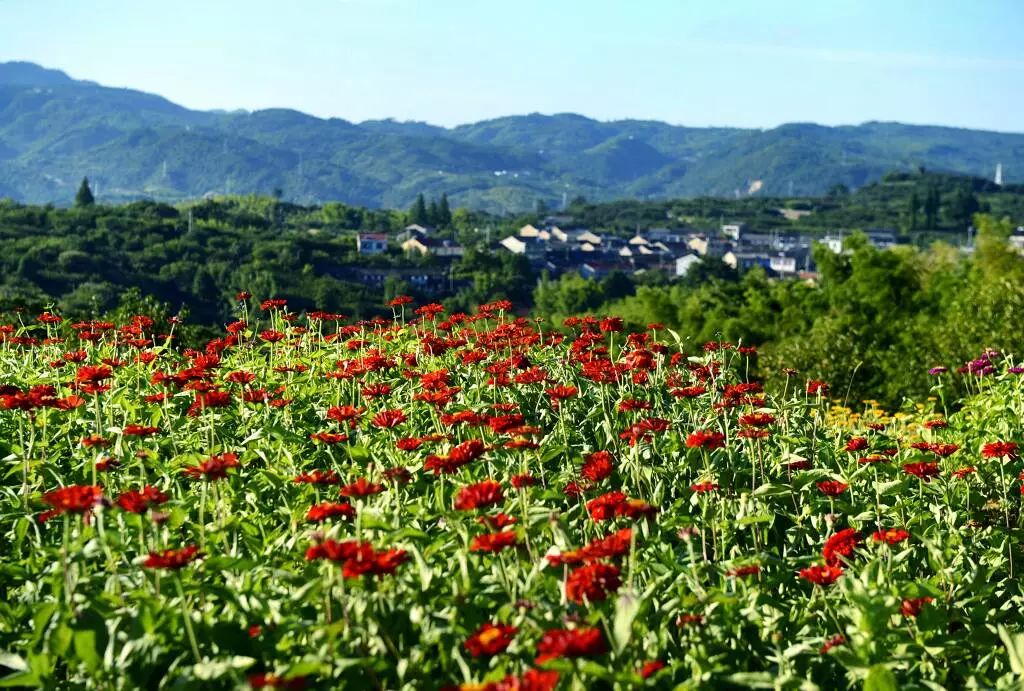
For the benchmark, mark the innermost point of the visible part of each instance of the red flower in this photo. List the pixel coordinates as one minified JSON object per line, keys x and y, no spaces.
{"x":690,"y":619}
{"x":832,"y":488}
{"x":836,"y":640}
{"x":501,"y":424}
{"x":362,"y":488}
{"x":821,"y":575}
{"x":611,"y":324}
{"x":321,"y":512}
{"x":523,"y":480}
{"x":598,"y":466}
{"x":840,"y":546}
{"x":490,"y":639}
{"x":328,"y":437}
{"x":616,"y":503}
{"x":890,"y":536}
{"x":358,"y":558}
{"x":615,"y":545}
{"x":856,"y":444}
{"x":922,"y":469}
{"x":209,"y":399}
{"x":214,"y":468}
{"x":961,"y":473}
{"x":345,"y":413}
{"x":604,"y":507}
{"x":592,"y":583}
{"x":409,"y":444}
{"x":135,"y":501}
{"x":744,"y":571}
{"x":479,"y":495}
{"x":172,"y":558}
{"x":493,"y":542}
{"x":703,"y":487}
{"x":397,"y":475}
{"x":911,"y":607}
{"x":497,"y":521}
{"x":628,"y":404}
{"x":689,"y":392}
{"x":703,"y":439}
{"x":93,"y":374}
{"x":649,"y":668}
{"x":999,"y":449}
{"x":561,"y":392}
{"x":757,"y":420}
{"x":943,"y":450}
{"x":81,"y":499}
{"x":272,"y":681}
{"x":139,"y":431}
{"x":459,"y":456}
{"x":95,"y":440}
{"x":586,"y":642}
{"x":815,"y":387}
{"x":318,"y":477}
{"x":387,"y":419}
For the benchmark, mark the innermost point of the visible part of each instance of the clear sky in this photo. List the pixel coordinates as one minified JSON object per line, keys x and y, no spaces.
{"x":754,"y":63}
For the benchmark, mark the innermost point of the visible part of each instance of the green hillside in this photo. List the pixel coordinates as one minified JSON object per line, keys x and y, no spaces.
{"x":54,"y":130}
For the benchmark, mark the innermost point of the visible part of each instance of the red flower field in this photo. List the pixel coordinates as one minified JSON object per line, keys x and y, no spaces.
{"x":486,"y":502}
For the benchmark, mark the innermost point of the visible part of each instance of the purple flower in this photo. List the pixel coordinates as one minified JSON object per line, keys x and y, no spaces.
{"x":1016,"y":370}
{"x":938,"y":370}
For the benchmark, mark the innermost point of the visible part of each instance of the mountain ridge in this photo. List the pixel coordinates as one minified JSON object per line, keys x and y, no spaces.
{"x":55,"y":129}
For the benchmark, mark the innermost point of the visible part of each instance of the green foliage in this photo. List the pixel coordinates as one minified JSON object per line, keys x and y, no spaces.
{"x":250,"y":519}
{"x":84,"y":195}
{"x":872,"y":324}
{"x":143,"y":146}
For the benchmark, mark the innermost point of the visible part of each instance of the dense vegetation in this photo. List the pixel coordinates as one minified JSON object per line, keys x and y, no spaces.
{"x":922,"y":206}
{"x":874,"y":320}
{"x":54,"y":130}
{"x":477,"y":502}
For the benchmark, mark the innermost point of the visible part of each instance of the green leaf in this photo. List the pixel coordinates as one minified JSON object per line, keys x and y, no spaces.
{"x":1014,"y":643}
{"x":880,"y":678}
{"x":19,"y":680}
{"x":212,"y":669}
{"x":13,"y":661}
{"x":85,"y":649}
{"x":627,"y":606}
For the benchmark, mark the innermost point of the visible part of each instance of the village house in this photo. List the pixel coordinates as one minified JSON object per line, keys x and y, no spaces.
{"x":439,"y":248}
{"x":371,"y":243}
{"x":685,"y":263}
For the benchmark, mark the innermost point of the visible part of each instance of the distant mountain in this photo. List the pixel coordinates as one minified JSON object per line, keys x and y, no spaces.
{"x":54,"y":130}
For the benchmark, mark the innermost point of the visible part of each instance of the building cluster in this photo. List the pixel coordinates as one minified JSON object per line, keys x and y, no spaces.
{"x":556,"y":246}
{"x":557,"y":250}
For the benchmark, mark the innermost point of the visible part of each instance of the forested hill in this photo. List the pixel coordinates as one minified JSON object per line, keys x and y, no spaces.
{"x":54,"y":130}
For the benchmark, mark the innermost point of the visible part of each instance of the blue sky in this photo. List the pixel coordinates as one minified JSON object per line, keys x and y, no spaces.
{"x":693,"y":62}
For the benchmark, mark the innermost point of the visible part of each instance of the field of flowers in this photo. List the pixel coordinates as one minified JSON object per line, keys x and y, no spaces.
{"x":483,"y":502}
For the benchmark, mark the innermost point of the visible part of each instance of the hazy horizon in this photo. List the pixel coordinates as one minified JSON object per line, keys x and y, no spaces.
{"x":456,"y":61}
{"x":635,"y":118}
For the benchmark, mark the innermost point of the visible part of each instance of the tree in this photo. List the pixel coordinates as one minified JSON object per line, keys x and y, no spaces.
{"x":418,"y":212}
{"x":913,"y":205}
{"x":444,"y":212}
{"x":432,"y":213}
{"x":84,"y":196}
{"x":963,"y":206}
{"x":931,"y":208}
{"x":838,"y":190}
